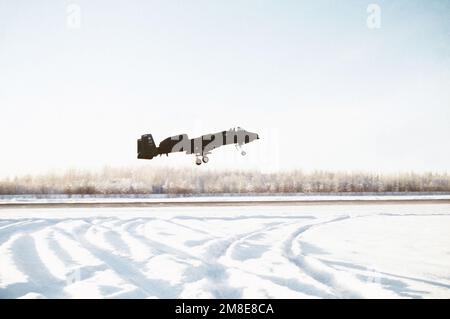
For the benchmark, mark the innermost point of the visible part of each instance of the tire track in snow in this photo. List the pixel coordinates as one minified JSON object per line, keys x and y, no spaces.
{"x":40,"y":280}
{"x":341,"y":282}
{"x":124,"y":268}
{"x":315,"y":269}
{"x":290,"y":283}
{"x":25,"y":227}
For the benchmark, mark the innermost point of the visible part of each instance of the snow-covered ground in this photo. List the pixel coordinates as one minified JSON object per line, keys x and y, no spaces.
{"x":320,"y":251}
{"x":164,"y":198}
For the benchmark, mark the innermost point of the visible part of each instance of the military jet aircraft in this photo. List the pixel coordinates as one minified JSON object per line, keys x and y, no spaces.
{"x":200,"y":146}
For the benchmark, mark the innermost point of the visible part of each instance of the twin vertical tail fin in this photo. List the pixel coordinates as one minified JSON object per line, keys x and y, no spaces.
{"x":146,"y":147}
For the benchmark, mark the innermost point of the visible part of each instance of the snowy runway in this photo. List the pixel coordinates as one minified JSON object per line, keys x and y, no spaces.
{"x":320,"y":251}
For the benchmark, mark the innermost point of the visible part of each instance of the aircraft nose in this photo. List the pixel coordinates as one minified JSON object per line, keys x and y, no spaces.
{"x":257,"y":136}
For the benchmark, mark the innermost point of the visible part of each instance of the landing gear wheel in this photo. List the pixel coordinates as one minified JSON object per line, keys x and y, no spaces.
{"x":243,"y":153}
{"x":205,"y":159}
{"x":198,"y":161}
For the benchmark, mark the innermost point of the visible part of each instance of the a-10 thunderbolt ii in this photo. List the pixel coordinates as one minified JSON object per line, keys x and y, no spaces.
{"x":199,"y":146}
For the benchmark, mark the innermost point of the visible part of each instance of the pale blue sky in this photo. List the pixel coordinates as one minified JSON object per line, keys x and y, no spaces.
{"x":323,"y":90}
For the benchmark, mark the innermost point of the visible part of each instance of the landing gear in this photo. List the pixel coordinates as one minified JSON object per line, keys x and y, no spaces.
{"x":239,"y":148}
{"x":203,"y":158}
